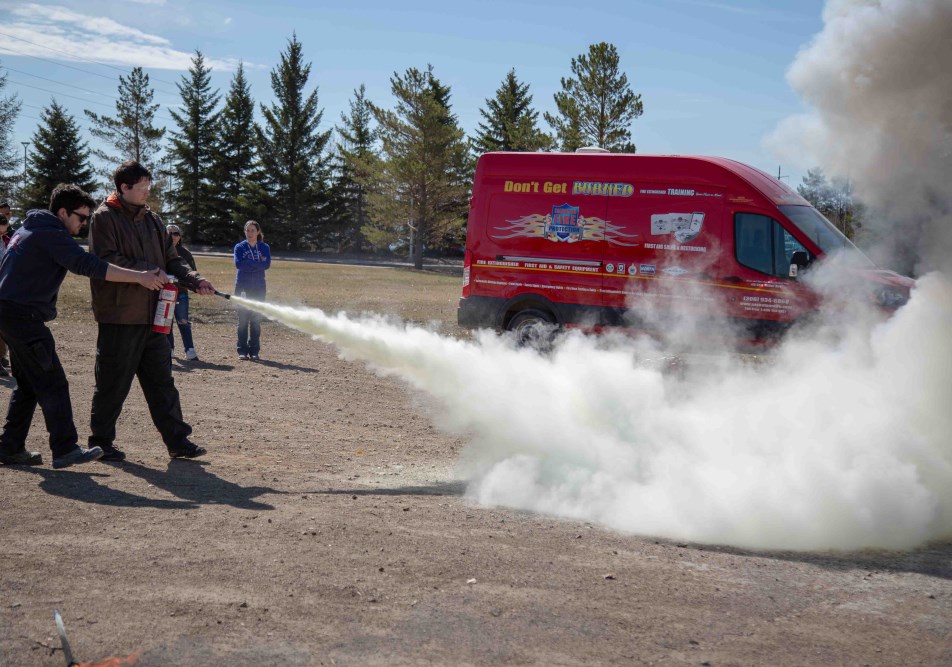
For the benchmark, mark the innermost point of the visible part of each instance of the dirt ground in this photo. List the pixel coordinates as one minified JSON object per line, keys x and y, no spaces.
{"x":326,"y":526}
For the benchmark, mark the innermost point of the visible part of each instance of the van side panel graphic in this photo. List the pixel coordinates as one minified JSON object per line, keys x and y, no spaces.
{"x":565,"y":224}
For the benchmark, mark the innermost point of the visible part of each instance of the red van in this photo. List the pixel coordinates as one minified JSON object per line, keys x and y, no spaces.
{"x":597,"y":239}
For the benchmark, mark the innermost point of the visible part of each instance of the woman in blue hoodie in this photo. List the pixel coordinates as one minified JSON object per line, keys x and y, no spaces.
{"x":252,"y":259}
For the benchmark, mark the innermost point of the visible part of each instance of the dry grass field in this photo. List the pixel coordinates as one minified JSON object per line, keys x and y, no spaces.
{"x":329,"y":525}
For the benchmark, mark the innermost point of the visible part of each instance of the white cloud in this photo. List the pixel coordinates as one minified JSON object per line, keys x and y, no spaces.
{"x":228,"y":21}
{"x":99,"y":25}
{"x":59,"y":32}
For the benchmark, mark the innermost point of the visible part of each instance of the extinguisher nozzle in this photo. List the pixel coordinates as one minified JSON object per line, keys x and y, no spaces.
{"x":227,"y":296}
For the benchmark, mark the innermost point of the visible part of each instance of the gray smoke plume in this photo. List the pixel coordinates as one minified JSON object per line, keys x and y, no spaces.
{"x":877,"y":78}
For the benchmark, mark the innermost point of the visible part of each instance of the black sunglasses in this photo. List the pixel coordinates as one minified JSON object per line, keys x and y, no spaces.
{"x":82,"y":218}
{"x":175,"y":233}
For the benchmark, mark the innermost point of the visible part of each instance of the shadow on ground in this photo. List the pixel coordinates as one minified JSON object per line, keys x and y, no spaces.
{"x":192,"y":482}
{"x":82,"y":485}
{"x":933,"y":560}
{"x":188,"y":481}
{"x":282,"y":366}
{"x":198,"y":364}
{"x":454,"y":488}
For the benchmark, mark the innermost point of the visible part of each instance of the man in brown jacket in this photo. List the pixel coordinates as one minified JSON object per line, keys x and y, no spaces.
{"x":123,"y":231}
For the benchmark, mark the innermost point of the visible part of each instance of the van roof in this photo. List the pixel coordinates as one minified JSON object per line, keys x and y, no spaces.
{"x":526,"y":165}
{"x":775,"y":189}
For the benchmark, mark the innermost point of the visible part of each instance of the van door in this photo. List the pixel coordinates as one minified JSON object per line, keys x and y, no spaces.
{"x":755,"y":277}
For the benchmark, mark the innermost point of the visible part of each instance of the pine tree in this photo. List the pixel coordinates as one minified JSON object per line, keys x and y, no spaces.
{"x":421,"y":179}
{"x":291,"y":152}
{"x":59,"y":156}
{"x":596,"y":107}
{"x":193,"y":147}
{"x":131,"y":132}
{"x":510,"y":120}
{"x":9,"y":175}
{"x":355,"y":154}
{"x":834,"y":199}
{"x":235,"y":195}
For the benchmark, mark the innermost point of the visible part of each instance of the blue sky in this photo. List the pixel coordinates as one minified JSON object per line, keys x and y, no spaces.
{"x":711,"y":72}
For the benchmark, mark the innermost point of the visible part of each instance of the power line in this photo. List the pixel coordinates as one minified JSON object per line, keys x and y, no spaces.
{"x":61,"y":83}
{"x":54,"y":62}
{"x":168,"y":119}
{"x":58,"y":83}
{"x":53,"y":92}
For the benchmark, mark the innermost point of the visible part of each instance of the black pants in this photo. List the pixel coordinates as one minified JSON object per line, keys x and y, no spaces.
{"x":40,"y":380}
{"x":124,"y":351}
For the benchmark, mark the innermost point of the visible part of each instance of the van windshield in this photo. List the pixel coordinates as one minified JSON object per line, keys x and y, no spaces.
{"x":821,"y":231}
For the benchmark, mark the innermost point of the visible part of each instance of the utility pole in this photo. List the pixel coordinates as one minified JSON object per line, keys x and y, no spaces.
{"x":168,"y":187}
{"x":23,"y":179}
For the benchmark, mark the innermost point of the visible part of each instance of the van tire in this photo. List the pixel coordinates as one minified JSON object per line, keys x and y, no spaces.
{"x":533,"y":328}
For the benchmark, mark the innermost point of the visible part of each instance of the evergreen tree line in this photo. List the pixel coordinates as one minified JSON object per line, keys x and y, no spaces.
{"x":393,"y":176}
{"x":834,"y":199}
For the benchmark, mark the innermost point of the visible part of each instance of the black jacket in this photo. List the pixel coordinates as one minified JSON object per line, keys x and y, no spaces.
{"x":35,"y":264}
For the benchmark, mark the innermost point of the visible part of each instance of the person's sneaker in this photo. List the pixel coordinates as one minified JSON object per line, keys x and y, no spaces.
{"x":254,"y":357}
{"x":187,"y":450}
{"x":111,"y":453}
{"x":21,"y":458}
{"x":243,"y":357}
{"x":77,"y":456}
{"x":191,"y":354}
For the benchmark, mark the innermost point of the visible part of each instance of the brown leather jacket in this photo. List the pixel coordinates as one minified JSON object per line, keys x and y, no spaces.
{"x":133,"y":238}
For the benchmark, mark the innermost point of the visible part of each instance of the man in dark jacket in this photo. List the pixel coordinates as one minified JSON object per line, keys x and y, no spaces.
{"x":123,"y":231}
{"x":31,"y":273}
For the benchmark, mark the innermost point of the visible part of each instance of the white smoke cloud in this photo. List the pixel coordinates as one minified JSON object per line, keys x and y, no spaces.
{"x":877,"y":80}
{"x":843,"y":445}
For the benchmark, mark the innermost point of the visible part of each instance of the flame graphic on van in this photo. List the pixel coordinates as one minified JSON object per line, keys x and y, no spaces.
{"x":537,"y":225}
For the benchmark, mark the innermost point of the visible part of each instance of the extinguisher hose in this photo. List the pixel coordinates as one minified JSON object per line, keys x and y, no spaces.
{"x":192,"y":288}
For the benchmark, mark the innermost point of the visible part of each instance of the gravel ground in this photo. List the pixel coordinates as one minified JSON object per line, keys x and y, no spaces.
{"x":327,"y":525}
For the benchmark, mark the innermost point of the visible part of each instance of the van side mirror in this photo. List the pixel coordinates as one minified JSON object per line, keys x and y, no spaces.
{"x":798,"y":260}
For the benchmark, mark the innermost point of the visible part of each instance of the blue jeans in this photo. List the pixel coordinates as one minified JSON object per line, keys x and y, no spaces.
{"x":184,"y":325}
{"x":249,"y":326}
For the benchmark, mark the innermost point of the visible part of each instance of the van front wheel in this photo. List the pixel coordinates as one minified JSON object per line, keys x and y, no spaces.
{"x":533,"y":328}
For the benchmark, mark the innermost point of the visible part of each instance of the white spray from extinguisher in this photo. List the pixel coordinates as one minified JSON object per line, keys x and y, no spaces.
{"x":165,"y":309}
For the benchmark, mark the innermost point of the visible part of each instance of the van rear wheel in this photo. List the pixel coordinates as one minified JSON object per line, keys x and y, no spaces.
{"x":533,"y":328}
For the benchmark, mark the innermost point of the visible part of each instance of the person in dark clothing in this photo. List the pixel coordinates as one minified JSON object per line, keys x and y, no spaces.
{"x":31,"y":272}
{"x":124,"y":231}
{"x":181,"y":304}
{"x":252,"y":259}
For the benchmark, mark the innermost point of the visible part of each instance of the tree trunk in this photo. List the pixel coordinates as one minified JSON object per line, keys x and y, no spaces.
{"x":416,"y":247}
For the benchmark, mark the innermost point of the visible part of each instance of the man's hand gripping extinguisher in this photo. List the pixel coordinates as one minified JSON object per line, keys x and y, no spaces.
{"x":165,"y":310}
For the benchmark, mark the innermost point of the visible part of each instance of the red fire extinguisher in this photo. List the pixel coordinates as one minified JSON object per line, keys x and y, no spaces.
{"x":165,"y":310}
